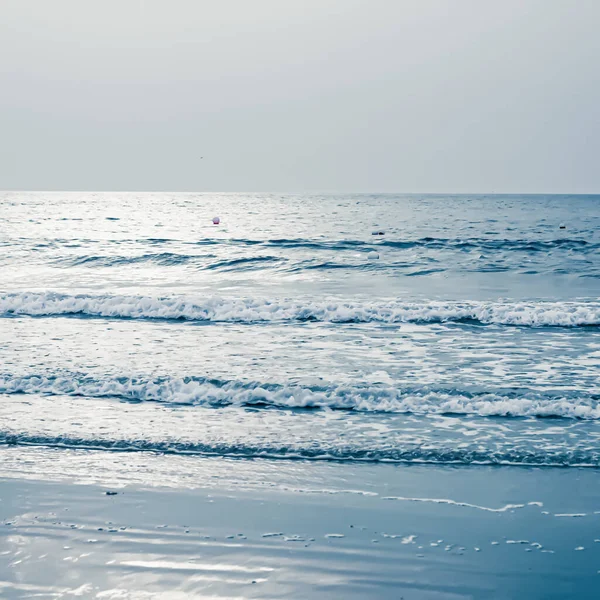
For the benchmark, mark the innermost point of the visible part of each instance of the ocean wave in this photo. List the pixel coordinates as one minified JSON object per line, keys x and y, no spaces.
{"x":321,"y":452}
{"x":247,"y":310}
{"x":168,"y":259}
{"x":367,"y":398}
{"x":490,"y":244}
{"x":440,"y":243}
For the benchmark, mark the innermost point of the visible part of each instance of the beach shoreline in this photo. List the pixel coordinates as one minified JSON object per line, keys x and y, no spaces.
{"x":254,"y":529}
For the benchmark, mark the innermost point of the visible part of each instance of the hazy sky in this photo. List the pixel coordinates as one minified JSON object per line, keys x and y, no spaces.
{"x":282,"y":95}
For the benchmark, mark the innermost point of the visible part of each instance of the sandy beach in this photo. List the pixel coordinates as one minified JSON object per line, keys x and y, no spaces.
{"x":156,"y":526}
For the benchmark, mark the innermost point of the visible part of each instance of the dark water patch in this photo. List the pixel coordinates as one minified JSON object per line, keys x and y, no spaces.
{"x":244,"y":264}
{"x":579,"y":245}
{"x":162,"y":259}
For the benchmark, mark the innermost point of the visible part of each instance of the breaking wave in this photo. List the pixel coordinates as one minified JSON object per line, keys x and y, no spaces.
{"x":368,"y":398}
{"x":246,"y":310}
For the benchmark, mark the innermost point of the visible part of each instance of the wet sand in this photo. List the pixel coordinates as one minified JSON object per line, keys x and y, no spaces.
{"x":219,"y":528}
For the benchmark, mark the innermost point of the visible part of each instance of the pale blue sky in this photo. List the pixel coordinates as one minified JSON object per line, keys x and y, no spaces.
{"x":281,"y":95}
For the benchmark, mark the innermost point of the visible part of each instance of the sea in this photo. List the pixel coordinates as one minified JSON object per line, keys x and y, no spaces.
{"x":299,"y":395}
{"x":395,"y":328}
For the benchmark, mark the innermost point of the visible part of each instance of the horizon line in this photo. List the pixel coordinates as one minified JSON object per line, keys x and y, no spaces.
{"x":358,"y":192}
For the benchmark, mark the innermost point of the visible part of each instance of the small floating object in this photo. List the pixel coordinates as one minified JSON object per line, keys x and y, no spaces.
{"x":378,"y":232}
{"x":562,"y":226}
{"x":373,"y":255}
{"x":216,"y":220}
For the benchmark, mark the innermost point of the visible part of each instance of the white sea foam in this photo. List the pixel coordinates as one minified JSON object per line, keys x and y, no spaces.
{"x":506,"y":508}
{"x":247,"y":310}
{"x":372,"y":398}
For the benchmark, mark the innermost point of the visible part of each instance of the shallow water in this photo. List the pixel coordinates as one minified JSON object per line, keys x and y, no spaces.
{"x":131,"y":321}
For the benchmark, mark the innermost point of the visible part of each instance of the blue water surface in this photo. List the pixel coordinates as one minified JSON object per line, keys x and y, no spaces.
{"x":356,"y":327}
